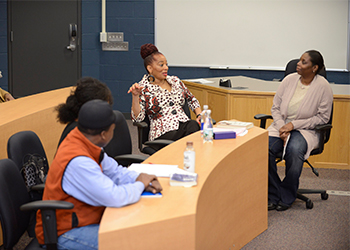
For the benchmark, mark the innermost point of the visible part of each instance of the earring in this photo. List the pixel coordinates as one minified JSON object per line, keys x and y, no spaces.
{"x":151,"y":77}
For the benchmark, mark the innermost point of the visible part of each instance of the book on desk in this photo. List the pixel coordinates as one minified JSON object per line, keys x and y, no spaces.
{"x":234,"y":124}
{"x":184,"y":180}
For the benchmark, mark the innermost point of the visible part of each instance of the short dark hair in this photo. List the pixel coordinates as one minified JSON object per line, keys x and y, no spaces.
{"x":316,"y":59}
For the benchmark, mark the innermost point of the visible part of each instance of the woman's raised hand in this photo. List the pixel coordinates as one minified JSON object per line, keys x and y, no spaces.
{"x":135,"y":89}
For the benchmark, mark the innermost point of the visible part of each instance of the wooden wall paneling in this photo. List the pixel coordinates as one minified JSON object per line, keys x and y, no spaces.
{"x":218,"y":104}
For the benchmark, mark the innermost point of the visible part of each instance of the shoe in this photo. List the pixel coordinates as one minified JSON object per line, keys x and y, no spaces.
{"x":282,"y":207}
{"x":271,"y":206}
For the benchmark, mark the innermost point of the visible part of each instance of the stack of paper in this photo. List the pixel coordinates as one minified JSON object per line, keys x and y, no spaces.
{"x":234,"y":124}
{"x":159,"y":170}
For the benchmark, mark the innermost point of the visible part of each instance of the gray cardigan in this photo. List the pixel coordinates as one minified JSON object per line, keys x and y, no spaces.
{"x":315,"y":108}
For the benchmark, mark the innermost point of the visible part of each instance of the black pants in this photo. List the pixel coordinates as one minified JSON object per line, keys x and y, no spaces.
{"x":185,"y":128}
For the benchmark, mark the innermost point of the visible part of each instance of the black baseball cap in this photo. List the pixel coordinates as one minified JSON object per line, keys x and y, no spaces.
{"x":96,"y":114}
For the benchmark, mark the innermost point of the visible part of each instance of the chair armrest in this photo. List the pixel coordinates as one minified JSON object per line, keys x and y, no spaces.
{"x":48,"y":215}
{"x":48,"y":204}
{"x":38,"y":187}
{"x":130,"y":158}
{"x":262,"y":118}
{"x":153,"y":146}
{"x":323,"y":127}
{"x":160,"y":142}
{"x":140,"y":127}
{"x":140,"y":124}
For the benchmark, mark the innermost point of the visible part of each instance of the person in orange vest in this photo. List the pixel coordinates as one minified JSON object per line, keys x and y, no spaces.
{"x":83,"y":174}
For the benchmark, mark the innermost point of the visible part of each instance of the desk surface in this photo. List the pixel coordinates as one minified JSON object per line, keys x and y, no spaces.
{"x":253,"y":84}
{"x":36,"y":113}
{"x":227,"y":208}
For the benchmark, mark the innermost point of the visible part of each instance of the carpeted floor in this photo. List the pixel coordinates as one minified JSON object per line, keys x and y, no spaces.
{"x":326,"y":226}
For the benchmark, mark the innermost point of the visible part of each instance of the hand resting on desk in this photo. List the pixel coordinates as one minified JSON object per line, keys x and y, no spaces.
{"x":151,"y":183}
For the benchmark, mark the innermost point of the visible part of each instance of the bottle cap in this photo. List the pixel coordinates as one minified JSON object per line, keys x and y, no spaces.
{"x":189,"y":143}
{"x":205,"y":106}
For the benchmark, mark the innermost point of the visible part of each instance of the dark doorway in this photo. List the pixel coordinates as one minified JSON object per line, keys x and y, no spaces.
{"x":39,"y":33}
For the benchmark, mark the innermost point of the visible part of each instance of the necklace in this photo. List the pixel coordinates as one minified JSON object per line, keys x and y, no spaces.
{"x":303,"y":86}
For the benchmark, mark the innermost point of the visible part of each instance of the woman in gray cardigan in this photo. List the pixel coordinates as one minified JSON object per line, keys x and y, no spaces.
{"x":302,"y":101}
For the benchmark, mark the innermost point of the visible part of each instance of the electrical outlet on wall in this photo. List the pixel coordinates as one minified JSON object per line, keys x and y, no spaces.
{"x":115,"y":36}
{"x":114,"y":41}
{"x":115,"y":46}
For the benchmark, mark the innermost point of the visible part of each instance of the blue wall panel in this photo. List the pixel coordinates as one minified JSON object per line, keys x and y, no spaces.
{"x":119,"y":70}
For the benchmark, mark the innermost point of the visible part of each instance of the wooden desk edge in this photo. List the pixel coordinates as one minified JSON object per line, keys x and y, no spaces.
{"x":179,"y":230}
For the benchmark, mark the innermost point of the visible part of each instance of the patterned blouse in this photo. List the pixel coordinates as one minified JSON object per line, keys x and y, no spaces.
{"x":164,"y":108}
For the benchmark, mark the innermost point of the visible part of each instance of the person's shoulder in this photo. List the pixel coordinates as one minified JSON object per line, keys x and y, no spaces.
{"x":292,"y":77}
{"x":321,"y":80}
{"x":144,"y":81}
{"x":290,"y":80}
{"x":323,"y":83}
{"x":173,"y":79}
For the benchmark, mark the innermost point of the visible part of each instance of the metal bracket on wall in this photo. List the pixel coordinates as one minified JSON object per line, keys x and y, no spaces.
{"x":115,"y":42}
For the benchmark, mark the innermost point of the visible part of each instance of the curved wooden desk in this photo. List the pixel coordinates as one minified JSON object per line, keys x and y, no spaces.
{"x":226,"y":210}
{"x":36,"y":113}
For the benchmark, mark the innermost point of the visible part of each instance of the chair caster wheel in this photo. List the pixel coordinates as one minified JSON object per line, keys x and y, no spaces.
{"x":309,"y":204}
{"x":324,"y":196}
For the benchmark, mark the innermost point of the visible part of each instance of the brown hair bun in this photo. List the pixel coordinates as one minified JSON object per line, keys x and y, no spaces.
{"x":148,"y":49}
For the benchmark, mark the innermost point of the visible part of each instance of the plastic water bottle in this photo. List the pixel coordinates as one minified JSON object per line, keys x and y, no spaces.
{"x":205,"y":108}
{"x":189,"y":157}
{"x":208,"y":132}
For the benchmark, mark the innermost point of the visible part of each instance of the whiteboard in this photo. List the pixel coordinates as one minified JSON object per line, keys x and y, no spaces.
{"x":251,"y":34}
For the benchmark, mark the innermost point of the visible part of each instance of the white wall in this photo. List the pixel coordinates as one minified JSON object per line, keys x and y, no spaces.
{"x":258,"y":34}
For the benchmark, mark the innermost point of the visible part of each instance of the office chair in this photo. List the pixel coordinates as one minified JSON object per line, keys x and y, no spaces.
{"x":325,"y":132}
{"x":150,"y":147}
{"x":23,"y":143}
{"x":14,"y":209}
{"x":120,"y":147}
{"x":292,"y":66}
{"x":19,"y":146}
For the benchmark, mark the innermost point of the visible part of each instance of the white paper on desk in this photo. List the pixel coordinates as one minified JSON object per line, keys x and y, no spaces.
{"x":285,"y":146}
{"x":159,"y":170}
{"x":200,"y":81}
{"x":239,"y":131}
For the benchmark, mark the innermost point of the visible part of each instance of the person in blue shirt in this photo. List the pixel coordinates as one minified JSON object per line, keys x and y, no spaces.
{"x":83,"y":174}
